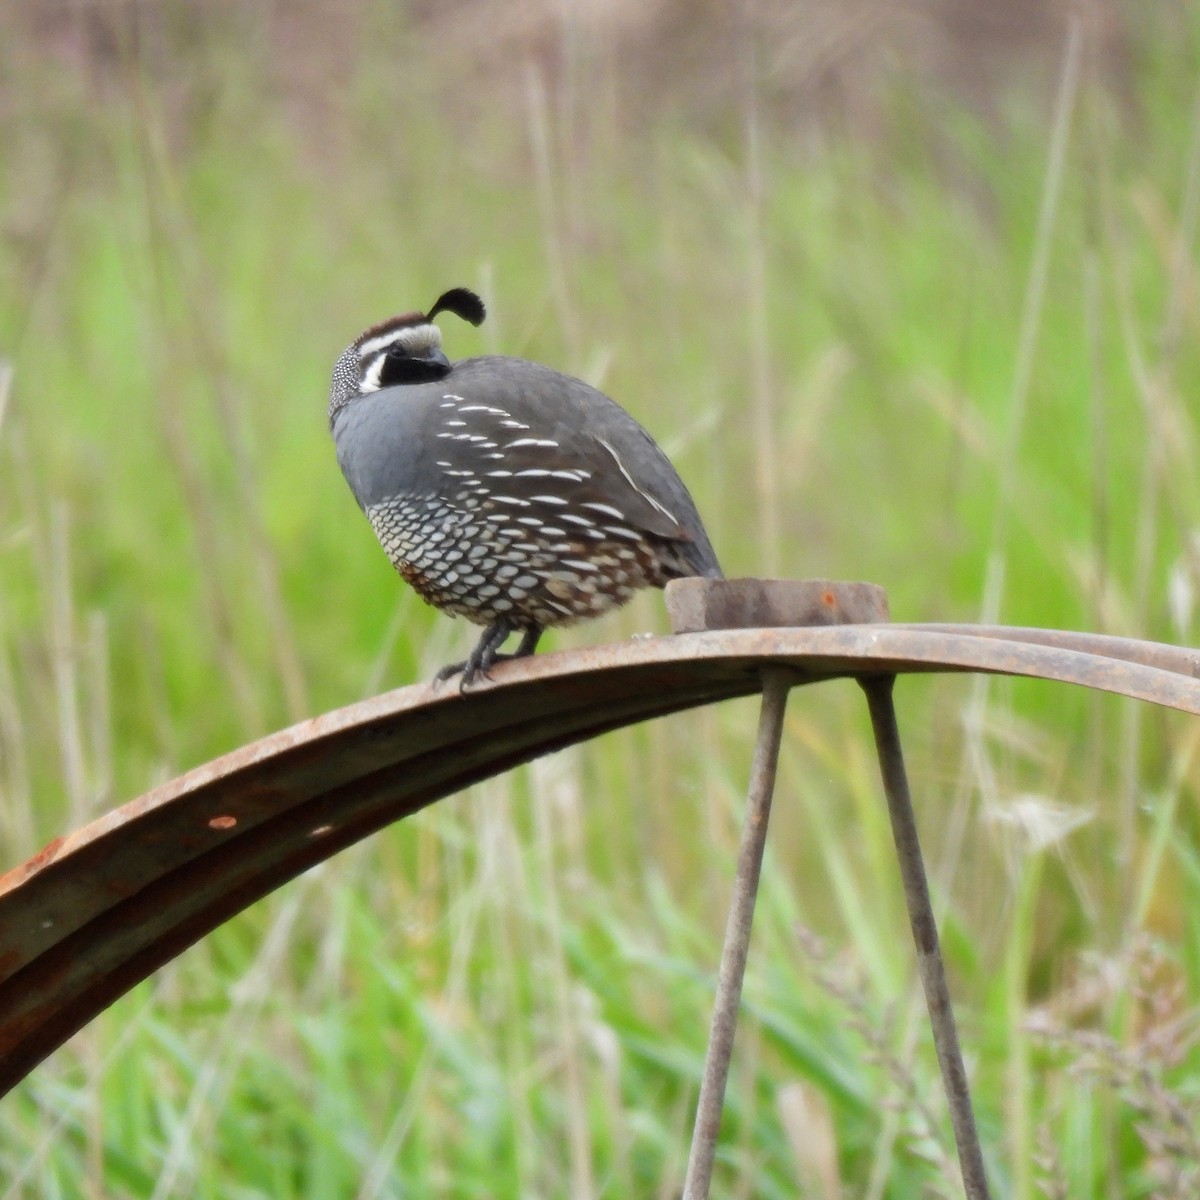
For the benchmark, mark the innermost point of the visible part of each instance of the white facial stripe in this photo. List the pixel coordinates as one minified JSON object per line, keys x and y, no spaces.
{"x":369,"y":381}
{"x":412,"y":339}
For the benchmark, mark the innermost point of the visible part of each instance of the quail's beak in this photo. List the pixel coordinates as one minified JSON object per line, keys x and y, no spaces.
{"x":436,"y":355}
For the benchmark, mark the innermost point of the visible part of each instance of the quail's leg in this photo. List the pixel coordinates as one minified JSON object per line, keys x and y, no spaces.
{"x":487,"y":653}
{"x":481,"y":658}
{"x":529,"y":641}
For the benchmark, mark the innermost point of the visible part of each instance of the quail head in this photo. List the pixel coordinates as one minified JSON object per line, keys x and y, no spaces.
{"x":504,"y":491}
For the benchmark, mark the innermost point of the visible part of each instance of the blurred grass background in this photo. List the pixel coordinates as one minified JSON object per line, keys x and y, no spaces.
{"x":909,"y":293}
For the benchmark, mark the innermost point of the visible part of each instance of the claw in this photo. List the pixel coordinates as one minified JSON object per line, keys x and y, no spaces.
{"x":487,"y":653}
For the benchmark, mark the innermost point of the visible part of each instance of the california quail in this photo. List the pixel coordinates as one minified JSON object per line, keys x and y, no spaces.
{"x":501,"y":490}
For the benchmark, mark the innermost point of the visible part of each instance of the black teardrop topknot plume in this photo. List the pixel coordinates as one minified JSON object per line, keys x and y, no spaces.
{"x":462,"y":302}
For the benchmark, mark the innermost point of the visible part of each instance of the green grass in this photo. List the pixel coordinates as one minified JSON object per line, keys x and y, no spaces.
{"x":861,"y":368}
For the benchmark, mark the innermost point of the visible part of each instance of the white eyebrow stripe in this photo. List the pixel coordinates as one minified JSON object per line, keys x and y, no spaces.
{"x":408,"y":337}
{"x":666,"y":512}
{"x":375,"y":345}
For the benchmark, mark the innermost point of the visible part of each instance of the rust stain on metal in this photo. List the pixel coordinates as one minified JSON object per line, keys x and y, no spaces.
{"x":100,"y":909}
{"x":48,"y":853}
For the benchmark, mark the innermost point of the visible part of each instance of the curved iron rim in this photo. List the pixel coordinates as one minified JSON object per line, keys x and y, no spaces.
{"x":98,"y":910}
